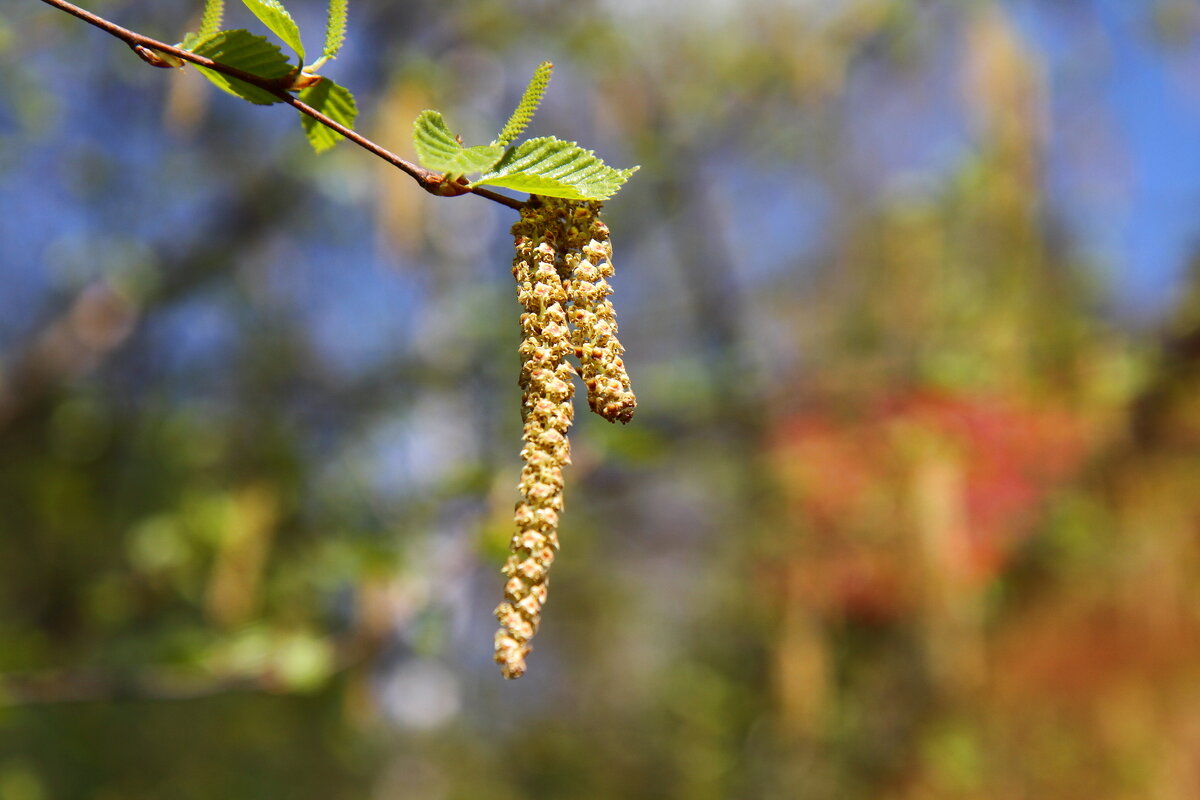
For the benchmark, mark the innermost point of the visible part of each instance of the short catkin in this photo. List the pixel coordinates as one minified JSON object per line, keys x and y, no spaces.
{"x":587,"y":260}
{"x":563,"y":258}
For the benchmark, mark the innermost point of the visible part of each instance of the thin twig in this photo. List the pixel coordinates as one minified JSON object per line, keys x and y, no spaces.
{"x":432,"y":182}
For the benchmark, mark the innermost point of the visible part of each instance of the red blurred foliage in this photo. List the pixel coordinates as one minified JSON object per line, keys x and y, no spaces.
{"x":857,"y":489}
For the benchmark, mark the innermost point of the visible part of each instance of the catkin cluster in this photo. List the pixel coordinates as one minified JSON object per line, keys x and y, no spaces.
{"x":563,"y":258}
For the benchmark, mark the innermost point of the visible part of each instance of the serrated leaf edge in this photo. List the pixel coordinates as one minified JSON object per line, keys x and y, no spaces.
{"x":227,"y":82}
{"x":439,"y":137}
{"x":319,"y":136}
{"x":210,"y":19}
{"x":438,"y":149}
{"x":291,"y":33}
{"x":584,"y":179}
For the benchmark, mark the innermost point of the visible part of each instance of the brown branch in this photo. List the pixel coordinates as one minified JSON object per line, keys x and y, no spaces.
{"x":432,"y":182}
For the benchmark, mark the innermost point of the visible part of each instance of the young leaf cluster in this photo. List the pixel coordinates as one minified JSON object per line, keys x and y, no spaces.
{"x":547,"y":165}
{"x":256,"y":55}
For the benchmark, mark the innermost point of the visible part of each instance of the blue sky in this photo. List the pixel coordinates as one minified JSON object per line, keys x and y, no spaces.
{"x":1124,"y":144}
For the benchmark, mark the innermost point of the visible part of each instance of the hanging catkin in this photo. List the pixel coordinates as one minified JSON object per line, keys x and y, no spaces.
{"x":587,"y":257}
{"x":563,"y":259}
{"x":546,"y":408}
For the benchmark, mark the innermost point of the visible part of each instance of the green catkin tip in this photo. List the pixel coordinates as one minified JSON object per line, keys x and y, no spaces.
{"x":335,"y":28}
{"x":525,"y":109}
{"x":210,"y":20}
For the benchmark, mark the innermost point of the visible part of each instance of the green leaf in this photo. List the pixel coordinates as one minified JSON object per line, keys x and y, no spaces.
{"x":333,"y":101}
{"x":210,"y":21}
{"x":554,"y":168}
{"x":276,"y":17}
{"x":480,"y":158}
{"x":335,"y":28}
{"x":247,"y":52}
{"x":528,"y":105}
{"x":439,"y":150}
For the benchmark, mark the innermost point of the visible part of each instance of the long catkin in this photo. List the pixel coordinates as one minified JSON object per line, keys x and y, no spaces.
{"x":547,"y":390}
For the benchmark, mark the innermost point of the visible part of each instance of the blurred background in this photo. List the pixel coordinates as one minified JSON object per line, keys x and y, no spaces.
{"x":910,"y":508}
